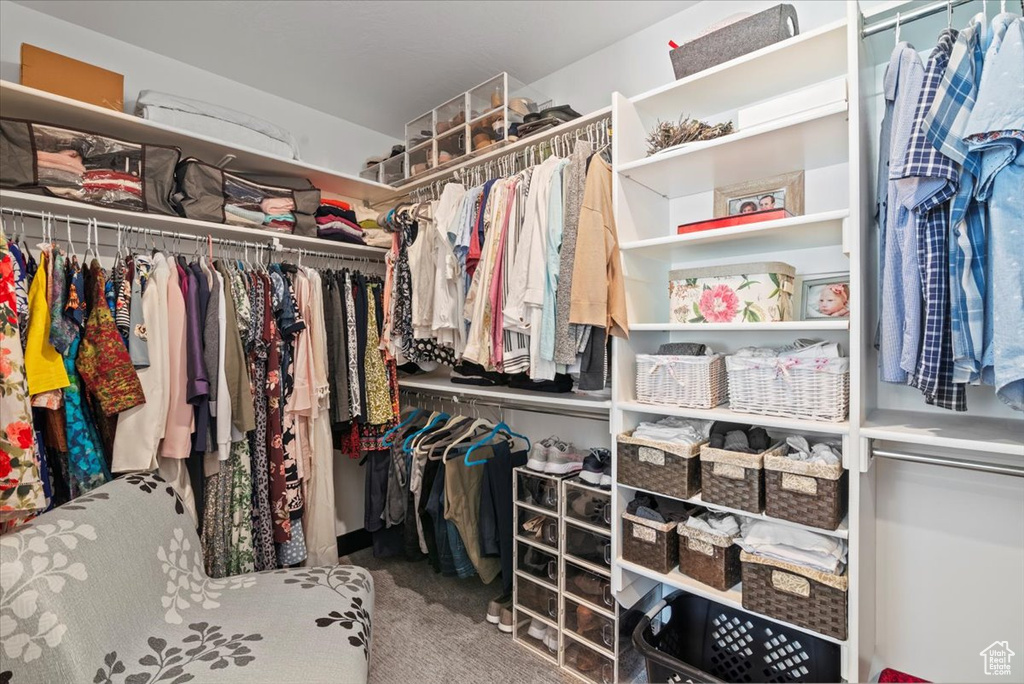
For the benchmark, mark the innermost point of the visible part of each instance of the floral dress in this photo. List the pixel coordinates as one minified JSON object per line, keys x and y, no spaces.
{"x":22,"y":492}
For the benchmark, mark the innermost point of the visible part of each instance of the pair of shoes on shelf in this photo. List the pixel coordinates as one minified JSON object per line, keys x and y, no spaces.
{"x":554,"y":457}
{"x":597,"y":468}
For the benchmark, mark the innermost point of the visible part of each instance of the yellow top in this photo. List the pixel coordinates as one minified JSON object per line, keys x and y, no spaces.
{"x":44,"y":367}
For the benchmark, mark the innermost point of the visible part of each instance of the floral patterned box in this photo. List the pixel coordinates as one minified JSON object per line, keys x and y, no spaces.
{"x":741,"y":293}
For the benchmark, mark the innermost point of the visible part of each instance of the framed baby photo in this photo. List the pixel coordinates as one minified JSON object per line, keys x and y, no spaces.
{"x":778,"y":193}
{"x":825,"y":297}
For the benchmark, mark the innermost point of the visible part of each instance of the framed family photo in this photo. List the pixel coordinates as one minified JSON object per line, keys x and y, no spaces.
{"x":783,"y":192}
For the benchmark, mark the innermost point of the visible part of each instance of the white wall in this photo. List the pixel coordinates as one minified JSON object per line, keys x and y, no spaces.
{"x":640,"y":61}
{"x":323,"y":139}
{"x":950,"y":570}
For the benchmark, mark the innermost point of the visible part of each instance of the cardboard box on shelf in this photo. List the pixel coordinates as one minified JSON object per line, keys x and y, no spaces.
{"x":71,"y":78}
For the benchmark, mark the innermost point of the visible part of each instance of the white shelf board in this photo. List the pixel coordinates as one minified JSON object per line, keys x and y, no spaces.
{"x":796,"y":326}
{"x":808,"y":140}
{"x":796,"y":232}
{"x":842,"y":532}
{"x":758,"y":75}
{"x":442,"y":384}
{"x":1004,"y":436}
{"x":732,"y":598}
{"x":21,"y":102}
{"x":727,"y":414}
{"x":13,"y":199}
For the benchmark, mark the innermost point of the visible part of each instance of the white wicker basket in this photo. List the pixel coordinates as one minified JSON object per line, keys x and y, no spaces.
{"x":691,"y":381}
{"x":812,"y":388}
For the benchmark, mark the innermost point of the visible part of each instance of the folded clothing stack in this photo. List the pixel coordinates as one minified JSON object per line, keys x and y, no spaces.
{"x":825,"y":453}
{"x":374,"y":235}
{"x":214,"y":121}
{"x":682,"y":349}
{"x":801,"y":349}
{"x":738,"y":437}
{"x":335,"y":220}
{"x":799,"y":547}
{"x":675,"y":431}
{"x":719,"y":524}
{"x":646,"y":506}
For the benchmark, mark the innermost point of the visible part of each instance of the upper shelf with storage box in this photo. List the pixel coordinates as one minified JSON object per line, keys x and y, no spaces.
{"x":21,"y":102}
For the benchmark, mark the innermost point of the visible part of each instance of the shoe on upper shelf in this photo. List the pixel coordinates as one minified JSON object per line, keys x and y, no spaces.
{"x":597,"y":468}
{"x":538,"y":459}
{"x":563,"y":459}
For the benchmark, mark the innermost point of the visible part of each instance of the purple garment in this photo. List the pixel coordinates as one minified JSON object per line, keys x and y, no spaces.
{"x":198,"y":389}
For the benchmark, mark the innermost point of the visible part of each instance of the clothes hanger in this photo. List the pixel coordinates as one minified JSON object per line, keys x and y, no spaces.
{"x":385,"y":440}
{"x":501,"y":426}
{"x":429,"y":426}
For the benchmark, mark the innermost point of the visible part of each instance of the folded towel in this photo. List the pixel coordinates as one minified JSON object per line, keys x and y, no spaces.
{"x":277,"y":205}
{"x":256,"y":217}
{"x":791,"y":545}
{"x":65,"y":159}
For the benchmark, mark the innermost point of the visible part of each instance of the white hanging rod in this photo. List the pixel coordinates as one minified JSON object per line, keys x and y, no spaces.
{"x":1013,"y":471}
{"x":907,"y":17}
{"x":452,"y":395}
{"x":301,"y":252}
{"x":49,"y":216}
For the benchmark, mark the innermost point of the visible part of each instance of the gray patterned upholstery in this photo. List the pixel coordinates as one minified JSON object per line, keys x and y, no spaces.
{"x":110,"y":589}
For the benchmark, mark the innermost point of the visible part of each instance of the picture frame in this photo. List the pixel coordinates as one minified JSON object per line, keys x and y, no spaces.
{"x":825,"y":297}
{"x":786,"y":191}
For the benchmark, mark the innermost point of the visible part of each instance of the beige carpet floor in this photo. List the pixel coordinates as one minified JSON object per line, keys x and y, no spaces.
{"x":428,"y":628}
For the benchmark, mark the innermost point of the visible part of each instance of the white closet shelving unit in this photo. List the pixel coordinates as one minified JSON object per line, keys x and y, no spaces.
{"x":833,"y":146}
{"x":654,"y":194}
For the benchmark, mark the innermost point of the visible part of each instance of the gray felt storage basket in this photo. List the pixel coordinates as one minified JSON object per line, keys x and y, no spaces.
{"x":660,"y":467}
{"x":809,"y":493}
{"x":735,"y":40}
{"x":649,"y":543}
{"x":733,"y":478}
{"x":713,"y":559}
{"x":802,"y":596}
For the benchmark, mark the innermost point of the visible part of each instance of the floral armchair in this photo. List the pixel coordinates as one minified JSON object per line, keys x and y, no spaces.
{"x":110,"y":589}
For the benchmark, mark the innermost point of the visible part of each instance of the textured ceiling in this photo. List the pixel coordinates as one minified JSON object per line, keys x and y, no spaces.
{"x":378,"y":64}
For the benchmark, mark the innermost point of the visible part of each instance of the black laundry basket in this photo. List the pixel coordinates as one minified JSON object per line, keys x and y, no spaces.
{"x":698,"y":640}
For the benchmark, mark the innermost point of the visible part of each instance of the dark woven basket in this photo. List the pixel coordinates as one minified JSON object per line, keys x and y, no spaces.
{"x":824,"y":508}
{"x":650,"y":544}
{"x":720,"y":569}
{"x":659,"y":467}
{"x":822,"y":609}
{"x":746,"y":493}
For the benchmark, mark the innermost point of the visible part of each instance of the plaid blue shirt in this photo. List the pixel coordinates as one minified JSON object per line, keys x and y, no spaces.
{"x":936,"y":179}
{"x":945,"y":125}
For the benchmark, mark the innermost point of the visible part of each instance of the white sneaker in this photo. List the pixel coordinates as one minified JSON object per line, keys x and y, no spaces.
{"x":538,"y":630}
{"x":551,"y":639}
{"x":538,"y":459}
{"x":563,"y":459}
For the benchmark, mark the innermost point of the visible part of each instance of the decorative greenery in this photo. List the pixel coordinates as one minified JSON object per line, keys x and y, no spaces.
{"x":667,"y":134}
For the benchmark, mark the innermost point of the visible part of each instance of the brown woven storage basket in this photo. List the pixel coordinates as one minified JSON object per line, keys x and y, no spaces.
{"x":659,"y":467}
{"x":809,"y":493}
{"x":734,"y":479}
{"x":709,"y":558}
{"x":802,"y":596}
{"x":649,"y":543}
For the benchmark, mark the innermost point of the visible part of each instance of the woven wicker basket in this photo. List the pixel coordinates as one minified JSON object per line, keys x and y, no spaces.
{"x":734,"y":479}
{"x":713,"y":559}
{"x":816,"y":389}
{"x":805,"y":597}
{"x":691,"y":381}
{"x":809,"y":493}
{"x":649,"y":543}
{"x":660,"y":467}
